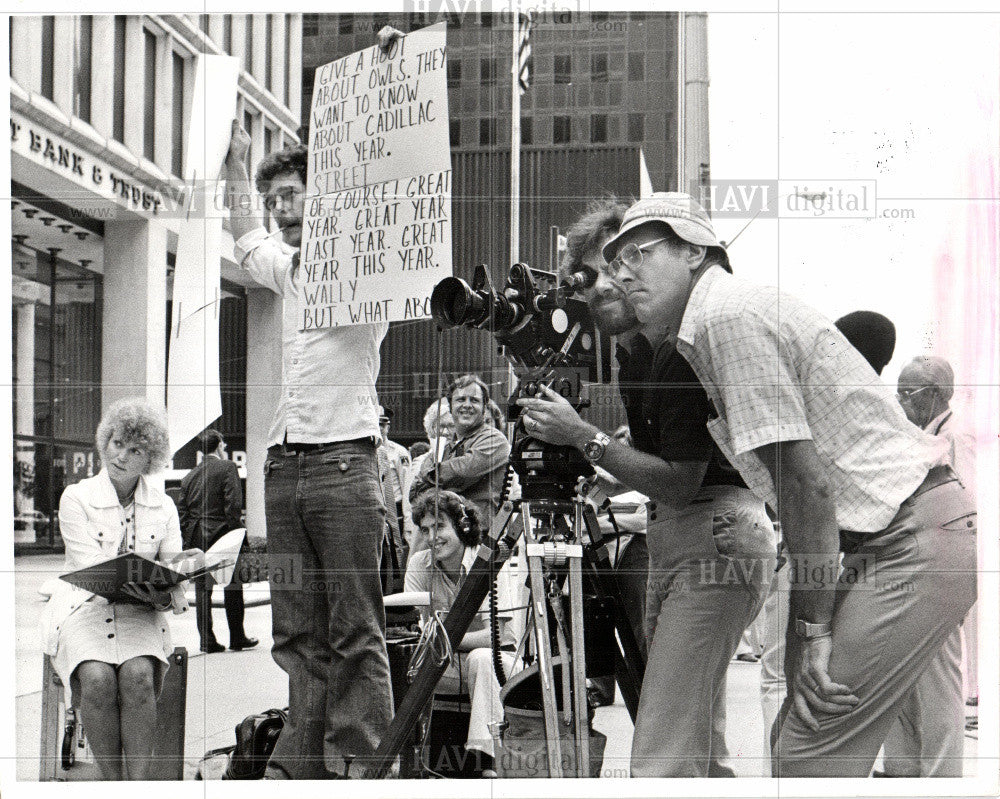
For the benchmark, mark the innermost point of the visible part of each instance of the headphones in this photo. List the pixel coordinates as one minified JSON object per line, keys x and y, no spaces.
{"x":465,"y":523}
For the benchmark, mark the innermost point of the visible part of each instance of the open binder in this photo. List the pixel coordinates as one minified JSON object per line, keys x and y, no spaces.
{"x":107,"y":578}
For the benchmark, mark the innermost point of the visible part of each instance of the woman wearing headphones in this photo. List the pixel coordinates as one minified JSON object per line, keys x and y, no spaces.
{"x":453,"y":528}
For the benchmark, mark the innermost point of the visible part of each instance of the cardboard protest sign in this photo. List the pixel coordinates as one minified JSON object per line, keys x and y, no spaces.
{"x":376,"y":233}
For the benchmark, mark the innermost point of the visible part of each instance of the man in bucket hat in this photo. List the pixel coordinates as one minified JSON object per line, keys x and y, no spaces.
{"x":710,"y":542}
{"x":817,"y":435}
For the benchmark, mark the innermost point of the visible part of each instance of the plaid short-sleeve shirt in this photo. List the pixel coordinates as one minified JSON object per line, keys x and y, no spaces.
{"x":777,"y":370}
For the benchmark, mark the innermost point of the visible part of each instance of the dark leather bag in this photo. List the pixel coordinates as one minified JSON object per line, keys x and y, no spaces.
{"x":256,"y":736}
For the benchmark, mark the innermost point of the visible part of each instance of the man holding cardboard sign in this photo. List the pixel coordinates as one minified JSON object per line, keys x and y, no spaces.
{"x":323,"y":500}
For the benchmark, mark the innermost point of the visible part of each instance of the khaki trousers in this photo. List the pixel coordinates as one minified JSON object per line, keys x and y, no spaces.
{"x":911,"y":585}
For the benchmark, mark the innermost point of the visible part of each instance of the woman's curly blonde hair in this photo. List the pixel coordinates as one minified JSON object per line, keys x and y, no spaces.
{"x":136,"y":421}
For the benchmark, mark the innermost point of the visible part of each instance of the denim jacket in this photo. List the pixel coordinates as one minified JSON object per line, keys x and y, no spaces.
{"x":91,"y":528}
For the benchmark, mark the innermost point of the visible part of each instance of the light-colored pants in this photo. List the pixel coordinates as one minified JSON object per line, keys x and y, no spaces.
{"x":710,"y":567}
{"x":927,"y":739}
{"x":913,"y":583}
{"x":772,"y":660}
{"x":473,"y":676}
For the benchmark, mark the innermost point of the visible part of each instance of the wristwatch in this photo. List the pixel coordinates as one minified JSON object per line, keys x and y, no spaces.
{"x":594,"y":449}
{"x":808,"y":630}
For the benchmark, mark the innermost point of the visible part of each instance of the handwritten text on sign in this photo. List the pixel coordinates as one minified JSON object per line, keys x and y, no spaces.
{"x":377,"y":227}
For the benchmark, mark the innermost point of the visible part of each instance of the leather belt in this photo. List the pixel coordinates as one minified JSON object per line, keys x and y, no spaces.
{"x":298,"y":448}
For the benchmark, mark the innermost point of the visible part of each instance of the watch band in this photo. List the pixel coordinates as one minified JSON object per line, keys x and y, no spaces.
{"x":594,"y":449}
{"x":809,"y":630}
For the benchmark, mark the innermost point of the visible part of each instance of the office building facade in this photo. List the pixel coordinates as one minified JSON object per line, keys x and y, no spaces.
{"x":98,"y":119}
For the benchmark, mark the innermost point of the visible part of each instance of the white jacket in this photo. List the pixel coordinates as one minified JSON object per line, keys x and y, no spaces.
{"x":91,"y":529}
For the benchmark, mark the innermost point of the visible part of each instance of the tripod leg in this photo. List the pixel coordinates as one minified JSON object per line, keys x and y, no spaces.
{"x":543,"y":646}
{"x":582,"y":728}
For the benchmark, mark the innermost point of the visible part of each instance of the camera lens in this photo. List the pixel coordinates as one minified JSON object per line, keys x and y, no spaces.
{"x":454,"y":303}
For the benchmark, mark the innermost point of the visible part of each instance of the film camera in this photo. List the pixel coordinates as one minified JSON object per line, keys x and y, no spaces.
{"x":547,"y":335}
{"x":549,"y":339}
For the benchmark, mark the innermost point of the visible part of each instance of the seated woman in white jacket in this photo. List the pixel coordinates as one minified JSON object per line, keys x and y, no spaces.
{"x":114,"y":655}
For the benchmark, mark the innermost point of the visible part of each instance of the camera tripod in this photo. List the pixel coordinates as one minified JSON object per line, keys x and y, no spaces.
{"x":550,"y":543}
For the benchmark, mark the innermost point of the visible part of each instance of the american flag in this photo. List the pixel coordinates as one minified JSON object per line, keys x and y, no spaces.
{"x":523,"y":51}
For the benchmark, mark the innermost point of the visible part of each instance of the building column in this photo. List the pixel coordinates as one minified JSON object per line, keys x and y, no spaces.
{"x":163,"y":143}
{"x":294,"y":101}
{"x":694,"y":73}
{"x":256,"y":137}
{"x":26,"y":52}
{"x":278,"y":47}
{"x":102,"y":69}
{"x":24,"y":421}
{"x":135,"y":89}
{"x":263,"y":392}
{"x":134,"y":359}
{"x":239,"y":33}
{"x":64,"y":62}
{"x":217,"y":29}
{"x":258,"y":65}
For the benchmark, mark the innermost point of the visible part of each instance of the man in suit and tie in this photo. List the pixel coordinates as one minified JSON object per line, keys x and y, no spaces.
{"x":210,"y":505}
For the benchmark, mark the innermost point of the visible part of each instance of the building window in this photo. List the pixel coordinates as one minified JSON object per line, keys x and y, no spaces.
{"x":487,"y":132}
{"x":599,"y":67}
{"x":308,"y":84}
{"x":598,"y":128}
{"x":268,"y":41}
{"x":177,"y":116}
{"x":56,"y":386}
{"x":118,"y":101}
{"x":268,"y":138}
{"x":48,"y":55}
{"x":635,"y":127}
{"x":486,"y":19}
{"x":287,"y":87}
{"x":560,"y":130}
{"x":248,"y":44}
{"x":149,"y":95}
{"x":248,"y":127}
{"x":82,"y":67}
{"x":527,"y":130}
{"x":455,"y":132}
{"x":487,"y":72}
{"x":562,"y":66}
{"x":454,"y":73}
{"x":310,"y":24}
{"x":345,"y":24}
{"x":636,"y":66}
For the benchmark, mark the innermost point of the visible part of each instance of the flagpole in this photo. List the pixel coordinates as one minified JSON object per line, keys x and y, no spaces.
{"x":681,"y":102}
{"x":515,"y":161}
{"x":515,"y":143}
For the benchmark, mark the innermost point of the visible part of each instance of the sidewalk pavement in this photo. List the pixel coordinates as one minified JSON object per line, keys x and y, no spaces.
{"x":224,"y":688}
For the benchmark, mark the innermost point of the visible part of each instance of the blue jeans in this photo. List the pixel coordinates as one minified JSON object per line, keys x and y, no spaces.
{"x":710,"y":567}
{"x":325,"y":517}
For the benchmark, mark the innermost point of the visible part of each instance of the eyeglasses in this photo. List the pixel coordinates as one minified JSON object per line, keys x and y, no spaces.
{"x":286,"y":194}
{"x":631,"y":256}
{"x":908,"y":393}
